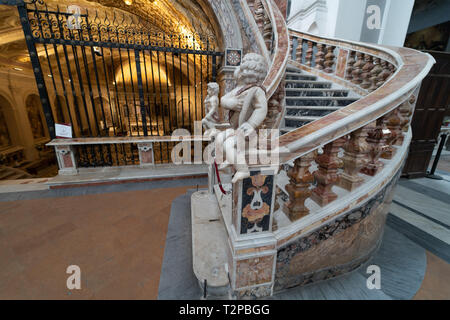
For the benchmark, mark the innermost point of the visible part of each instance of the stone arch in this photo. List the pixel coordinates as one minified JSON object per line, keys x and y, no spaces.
{"x":35,"y":116}
{"x":6,"y":138}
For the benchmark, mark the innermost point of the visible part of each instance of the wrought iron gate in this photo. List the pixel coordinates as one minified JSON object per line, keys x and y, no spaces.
{"x":111,"y":74}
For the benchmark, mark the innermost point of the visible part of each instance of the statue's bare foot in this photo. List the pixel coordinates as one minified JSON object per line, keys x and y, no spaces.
{"x":241,"y":175}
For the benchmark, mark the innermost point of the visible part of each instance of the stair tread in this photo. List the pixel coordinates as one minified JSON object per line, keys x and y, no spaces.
{"x":307,"y":81}
{"x":322,"y":98}
{"x":317,"y":89}
{"x":302,"y":117}
{"x":289,"y":73}
{"x":313,"y":107}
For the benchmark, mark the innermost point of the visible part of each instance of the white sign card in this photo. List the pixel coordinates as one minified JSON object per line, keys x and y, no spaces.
{"x":63,"y":130}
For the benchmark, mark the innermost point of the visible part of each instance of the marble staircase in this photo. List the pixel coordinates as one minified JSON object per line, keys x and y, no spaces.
{"x":309,"y":98}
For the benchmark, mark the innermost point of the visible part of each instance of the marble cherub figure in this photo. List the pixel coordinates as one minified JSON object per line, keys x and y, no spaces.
{"x":211,"y":109}
{"x":247,"y":105}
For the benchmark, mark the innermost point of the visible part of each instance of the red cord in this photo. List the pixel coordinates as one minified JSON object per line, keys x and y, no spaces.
{"x":218,"y":179}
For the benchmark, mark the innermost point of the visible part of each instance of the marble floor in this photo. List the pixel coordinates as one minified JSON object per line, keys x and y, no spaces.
{"x":117,"y":235}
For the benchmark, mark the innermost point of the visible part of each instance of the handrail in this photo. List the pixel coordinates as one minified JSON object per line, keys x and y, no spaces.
{"x":279,"y":40}
{"x":281,"y":49}
{"x":412,"y":67}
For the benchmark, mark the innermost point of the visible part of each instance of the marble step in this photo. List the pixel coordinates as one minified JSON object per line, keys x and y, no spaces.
{"x":310,"y":111}
{"x":315,"y":92}
{"x":298,"y":76}
{"x":305,"y":84}
{"x":302,"y":118}
{"x":293,"y":69}
{"x":313,"y":108}
{"x":298,"y":121}
{"x":320,"y":101}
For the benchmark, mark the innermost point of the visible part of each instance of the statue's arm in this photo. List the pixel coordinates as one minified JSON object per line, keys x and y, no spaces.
{"x":260,"y":109}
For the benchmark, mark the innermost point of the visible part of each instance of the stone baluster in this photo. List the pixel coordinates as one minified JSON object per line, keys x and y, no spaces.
{"x":357,"y":68}
{"x":406,"y":111}
{"x":329,"y":59}
{"x":327,"y":174}
{"x":367,"y":68}
{"x":320,"y":56}
{"x":309,"y":54}
{"x":299,"y":51}
{"x":291,"y":48}
{"x":355,"y":158}
{"x":392,"y":121}
{"x":385,"y":73}
{"x":377,"y":69}
{"x":350,"y":63}
{"x":392,"y":69}
{"x":377,"y":142}
{"x":299,"y":187}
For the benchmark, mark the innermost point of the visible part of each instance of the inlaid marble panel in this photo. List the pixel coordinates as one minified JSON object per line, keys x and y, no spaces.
{"x":254,"y":271}
{"x":336,"y":248}
{"x":256,"y":203}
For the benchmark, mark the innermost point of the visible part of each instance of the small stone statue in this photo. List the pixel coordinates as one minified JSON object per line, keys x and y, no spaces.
{"x":211,"y":108}
{"x":247,"y":104}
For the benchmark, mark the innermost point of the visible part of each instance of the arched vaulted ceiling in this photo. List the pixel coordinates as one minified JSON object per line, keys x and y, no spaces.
{"x":186,"y":17}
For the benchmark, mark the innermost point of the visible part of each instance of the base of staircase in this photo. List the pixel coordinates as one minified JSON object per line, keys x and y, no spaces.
{"x":402,"y":261}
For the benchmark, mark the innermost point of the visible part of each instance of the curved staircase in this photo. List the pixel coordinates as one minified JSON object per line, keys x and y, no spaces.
{"x":345,"y":134}
{"x":309,"y":98}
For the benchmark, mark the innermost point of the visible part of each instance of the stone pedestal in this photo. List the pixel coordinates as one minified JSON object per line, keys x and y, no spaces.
{"x":146,"y":157}
{"x":66,"y":160}
{"x":252,"y":245}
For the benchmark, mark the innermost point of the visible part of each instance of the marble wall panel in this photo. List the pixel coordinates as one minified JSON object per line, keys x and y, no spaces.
{"x":336,"y":248}
{"x":254,"y":271}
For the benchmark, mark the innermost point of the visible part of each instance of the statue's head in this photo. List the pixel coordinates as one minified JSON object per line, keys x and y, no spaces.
{"x":253,"y":69}
{"x":213,"y":89}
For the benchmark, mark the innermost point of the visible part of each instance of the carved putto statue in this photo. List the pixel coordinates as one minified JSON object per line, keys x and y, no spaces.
{"x":210,"y":121}
{"x":247,"y":107}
